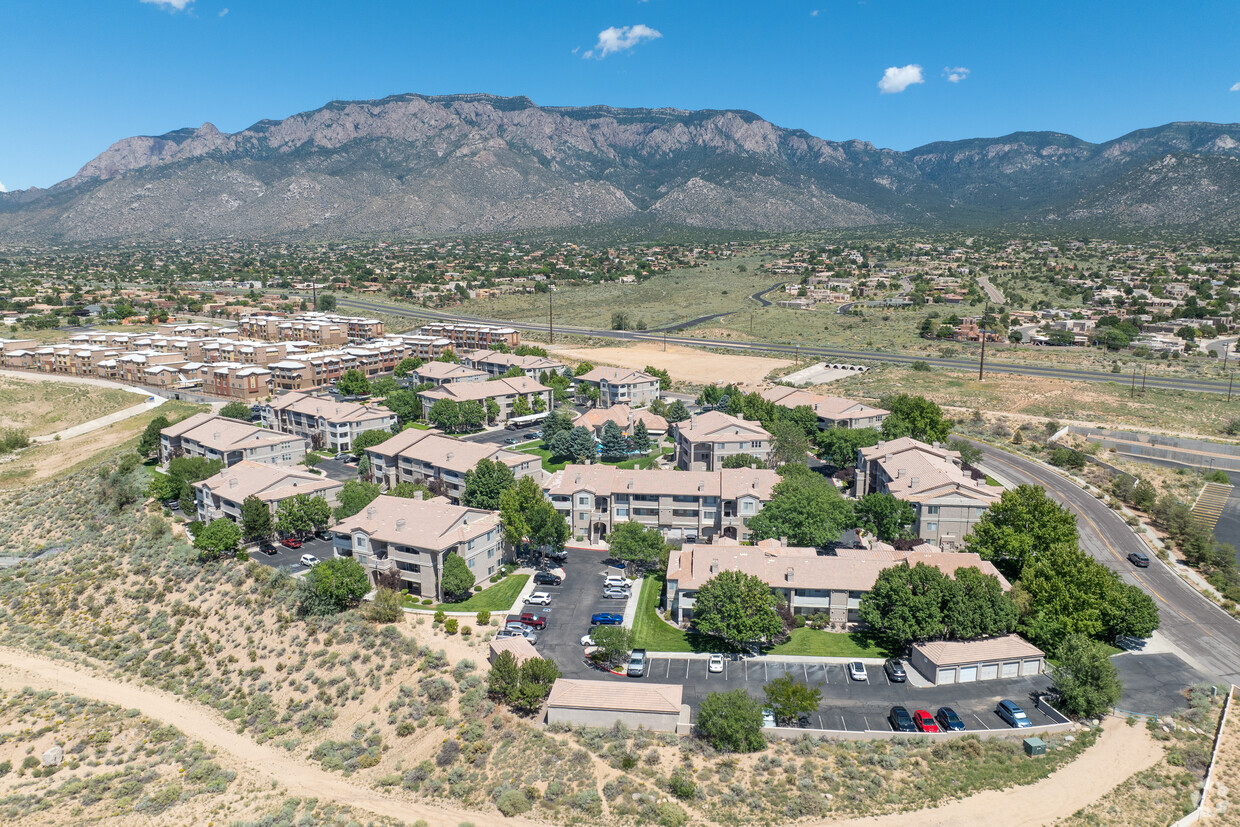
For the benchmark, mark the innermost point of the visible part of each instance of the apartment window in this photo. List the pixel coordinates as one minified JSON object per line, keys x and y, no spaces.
{"x":583,"y":516}
{"x":471,"y":562}
{"x":622,"y":511}
{"x":490,"y":570}
{"x":584,"y":499}
{"x":708,"y":515}
{"x":932,"y":510}
{"x":470,"y":544}
{"x":490,"y":553}
{"x":757,"y":443}
{"x":747,"y":506}
{"x":931,"y":528}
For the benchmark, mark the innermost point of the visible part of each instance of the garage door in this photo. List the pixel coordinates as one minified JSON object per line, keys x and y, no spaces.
{"x":990,"y":671}
{"x":946,"y":676}
{"x":1011,"y":670}
{"x":1031,"y":667}
{"x":968,"y":674}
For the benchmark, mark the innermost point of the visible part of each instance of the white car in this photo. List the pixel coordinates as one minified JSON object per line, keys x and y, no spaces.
{"x":856,"y":670}
{"x":614,"y":581}
{"x":309,"y":560}
{"x":586,"y":640}
{"x":612,"y":593}
{"x":715,"y":663}
{"x":539,"y":599}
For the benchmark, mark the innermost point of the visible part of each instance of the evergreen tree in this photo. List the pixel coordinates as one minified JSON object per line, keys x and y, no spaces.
{"x":256,"y":523}
{"x":614,"y":445}
{"x":641,"y":437}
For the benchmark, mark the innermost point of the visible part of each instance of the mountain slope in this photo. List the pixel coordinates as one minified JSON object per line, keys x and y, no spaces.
{"x":416,"y":165}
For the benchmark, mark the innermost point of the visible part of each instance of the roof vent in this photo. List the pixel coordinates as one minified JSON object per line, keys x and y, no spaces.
{"x":714,"y":566}
{"x":215,"y":435}
{"x":417,"y":495}
{"x":232,"y":483}
{"x":449,"y":457}
{"x":370,"y":512}
{"x":701,"y":485}
{"x":887,"y":458}
{"x":630,"y":485}
{"x":915,"y":481}
{"x":788,"y":574}
{"x":755,"y":482}
{"x":400,"y":525}
{"x":899,"y":473}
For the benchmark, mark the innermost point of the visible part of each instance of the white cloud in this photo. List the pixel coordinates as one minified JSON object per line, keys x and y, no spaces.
{"x":898,"y":78}
{"x":171,"y":5}
{"x":615,"y":39}
{"x":1235,"y":87}
{"x":2,"y":189}
{"x":955,"y":74}
{"x":814,"y":13}
{"x":223,"y":11}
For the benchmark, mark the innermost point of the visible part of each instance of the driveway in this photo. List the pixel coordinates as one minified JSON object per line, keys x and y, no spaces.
{"x":340,"y":471}
{"x":572,"y":604}
{"x":288,"y":559}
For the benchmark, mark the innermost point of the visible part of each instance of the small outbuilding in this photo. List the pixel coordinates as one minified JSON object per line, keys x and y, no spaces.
{"x":965,"y":661}
{"x":654,"y":706}
{"x":521,"y":649}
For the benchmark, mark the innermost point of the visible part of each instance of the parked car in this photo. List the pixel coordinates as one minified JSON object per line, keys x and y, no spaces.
{"x":267,"y":548}
{"x":900,"y":720}
{"x":504,"y":633}
{"x":1139,"y":559}
{"x":895,"y":671}
{"x":924,"y":721}
{"x":587,"y":640}
{"x":768,"y":717}
{"x":534,"y":620}
{"x":637,"y":663}
{"x":546,"y":578}
{"x":521,"y":630}
{"x":291,"y":542}
{"x":948,"y":720}
{"x":856,"y":671}
{"x":1013,"y":714}
{"x":615,"y":581}
{"x":512,"y":426}
{"x":714,"y":663}
{"x":513,"y":440}
{"x":539,"y":599}
{"x":617,"y":594}
{"x":557,"y":554}
{"x":344,"y":456}
{"x":310,"y":561}
{"x":606,"y":619}
{"x":323,"y":534}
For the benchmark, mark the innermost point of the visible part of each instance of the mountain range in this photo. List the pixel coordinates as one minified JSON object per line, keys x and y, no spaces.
{"x":416,"y":166}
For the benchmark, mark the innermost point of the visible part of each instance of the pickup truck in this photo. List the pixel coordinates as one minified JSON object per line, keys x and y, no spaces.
{"x":637,"y":663}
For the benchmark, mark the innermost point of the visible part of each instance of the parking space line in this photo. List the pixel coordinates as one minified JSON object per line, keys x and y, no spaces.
{"x":979,"y":720}
{"x":686,"y":669}
{"x":766,"y":671}
{"x":805,"y":671}
{"x":669,"y":668}
{"x":867,"y":721}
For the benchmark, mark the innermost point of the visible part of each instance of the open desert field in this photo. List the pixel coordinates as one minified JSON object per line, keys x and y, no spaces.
{"x":685,"y":364}
{"x":42,"y":406}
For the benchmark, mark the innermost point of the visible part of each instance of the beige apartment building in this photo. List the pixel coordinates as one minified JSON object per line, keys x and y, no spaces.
{"x":445,"y":373}
{"x":684,"y":505}
{"x":411,"y":539}
{"x":327,"y":424}
{"x":621,"y":386}
{"x":948,"y":501}
{"x":504,"y":391}
{"x":466,"y":337}
{"x":220,"y":496}
{"x":496,"y":363}
{"x":832,"y":411}
{"x":440,"y":461}
{"x":704,"y":441}
{"x":230,"y":440}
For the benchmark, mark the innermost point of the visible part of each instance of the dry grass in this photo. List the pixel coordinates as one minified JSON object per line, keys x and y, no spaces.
{"x":684,"y":364}
{"x":43,"y":406}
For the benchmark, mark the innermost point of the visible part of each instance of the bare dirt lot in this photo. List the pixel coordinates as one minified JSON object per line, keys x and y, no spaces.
{"x":42,"y":406}
{"x":685,"y":364}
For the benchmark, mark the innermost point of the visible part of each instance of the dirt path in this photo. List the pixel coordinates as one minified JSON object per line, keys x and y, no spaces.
{"x":19,"y":669}
{"x":103,"y":421}
{"x":1120,"y":752}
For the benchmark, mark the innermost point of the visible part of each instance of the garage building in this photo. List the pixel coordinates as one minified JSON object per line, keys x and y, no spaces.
{"x":954,"y":661}
{"x":655,"y":706}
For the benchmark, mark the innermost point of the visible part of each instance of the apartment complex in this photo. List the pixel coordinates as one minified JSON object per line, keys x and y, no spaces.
{"x":626,"y":419}
{"x":810,"y":583}
{"x":684,"y":505}
{"x":947,"y":499}
{"x":441,"y":462}
{"x":328,"y":425}
{"x":307,"y":371}
{"x":505,"y":392}
{"x":323,"y":329}
{"x":621,"y":386}
{"x":444,"y":373}
{"x":832,"y":411}
{"x":465,"y":337}
{"x":220,"y":496}
{"x":497,"y":363}
{"x":706,"y":440}
{"x":411,"y":539}
{"x":230,"y":440}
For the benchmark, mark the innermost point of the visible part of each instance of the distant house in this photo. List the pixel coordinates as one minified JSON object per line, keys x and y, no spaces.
{"x":706,"y":440}
{"x":832,"y":411}
{"x":327,"y":423}
{"x":618,"y":386}
{"x":504,"y":391}
{"x":443,"y":373}
{"x":431,"y":458}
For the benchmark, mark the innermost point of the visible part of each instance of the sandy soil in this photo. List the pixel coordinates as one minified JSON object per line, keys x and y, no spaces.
{"x":685,"y":364}
{"x":18,"y":669}
{"x":1226,"y":779}
{"x":1120,"y":752}
{"x":42,"y":404}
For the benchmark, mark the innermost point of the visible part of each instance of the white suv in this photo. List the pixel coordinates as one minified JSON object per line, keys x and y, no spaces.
{"x":615,"y":581}
{"x":539,"y":599}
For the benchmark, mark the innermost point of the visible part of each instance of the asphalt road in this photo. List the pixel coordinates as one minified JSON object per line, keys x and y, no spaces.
{"x":1208,"y":637}
{"x":808,"y":351}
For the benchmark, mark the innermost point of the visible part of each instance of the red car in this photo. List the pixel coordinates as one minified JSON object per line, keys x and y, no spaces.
{"x":924,"y":721}
{"x":291,"y":542}
{"x":533,"y":619}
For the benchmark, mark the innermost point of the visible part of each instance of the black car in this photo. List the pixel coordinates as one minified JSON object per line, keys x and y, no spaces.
{"x":546,"y":578}
{"x":1139,"y":559}
{"x":895,"y":671}
{"x":900,"y":720}
{"x":948,"y":720}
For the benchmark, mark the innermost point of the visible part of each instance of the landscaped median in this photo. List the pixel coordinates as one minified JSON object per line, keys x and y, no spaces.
{"x":497,"y":598}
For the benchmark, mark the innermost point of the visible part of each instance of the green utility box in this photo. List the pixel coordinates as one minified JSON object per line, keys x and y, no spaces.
{"x":1035,"y":746}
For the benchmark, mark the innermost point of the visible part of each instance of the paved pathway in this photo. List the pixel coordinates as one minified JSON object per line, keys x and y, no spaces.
{"x":103,"y":421}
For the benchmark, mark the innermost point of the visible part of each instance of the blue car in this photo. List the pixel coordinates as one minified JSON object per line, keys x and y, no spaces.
{"x":607,"y":619}
{"x":948,"y":720}
{"x":1013,"y":714}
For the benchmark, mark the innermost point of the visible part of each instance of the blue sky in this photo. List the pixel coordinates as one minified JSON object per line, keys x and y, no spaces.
{"x":77,"y":75}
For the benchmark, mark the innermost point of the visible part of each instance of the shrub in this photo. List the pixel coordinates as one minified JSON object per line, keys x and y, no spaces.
{"x":447,"y":753}
{"x":385,"y":608}
{"x":681,"y":785}
{"x":484,"y":617}
{"x":426,"y":601}
{"x":466,"y":631}
{"x":513,"y":802}
{"x":450,"y":625}
{"x":440,"y":616}
{"x":406,"y":728}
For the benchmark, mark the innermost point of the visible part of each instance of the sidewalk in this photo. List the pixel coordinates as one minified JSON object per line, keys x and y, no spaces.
{"x":103,"y":421}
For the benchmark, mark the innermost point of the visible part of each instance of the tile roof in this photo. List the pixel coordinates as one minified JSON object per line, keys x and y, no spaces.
{"x":953,"y":652}
{"x":827,"y":407}
{"x":919,"y":472}
{"x":726,"y":483}
{"x":446,"y":370}
{"x":328,"y":408}
{"x":457,"y":454}
{"x":521,"y":648}
{"x":616,"y":376}
{"x":462,"y":391}
{"x":716,"y":426}
{"x":620,"y":697}
{"x":428,"y":524}
{"x":222,"y":433}
{"x":622,"y":415}
{"x":268,"y":482}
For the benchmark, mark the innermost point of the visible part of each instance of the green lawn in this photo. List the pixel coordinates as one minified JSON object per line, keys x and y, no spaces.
{"x":817,"y":643}
{"x":420,"y":426}
{"x":538,"y":448}
{"x":497,"y":598}
{"x":651,"y":632}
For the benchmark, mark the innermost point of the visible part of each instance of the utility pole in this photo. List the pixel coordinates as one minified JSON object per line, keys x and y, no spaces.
{"x":751,"y":323}
{"x":550,"y":317}
{"x":1133,"y":390}
{"x":665,"y":341}
{"x":1144,"y":370}
{"x":981,"y":365}
{"x":1229,"y":381}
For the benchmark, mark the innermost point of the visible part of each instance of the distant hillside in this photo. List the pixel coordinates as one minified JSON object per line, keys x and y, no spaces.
{"x":413,"y":165}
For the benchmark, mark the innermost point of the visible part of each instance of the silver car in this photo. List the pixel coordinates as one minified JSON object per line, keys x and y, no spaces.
{"x":617,"y":594}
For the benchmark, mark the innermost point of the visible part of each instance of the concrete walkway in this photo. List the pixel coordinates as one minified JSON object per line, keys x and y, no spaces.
{"x":103,"y":421}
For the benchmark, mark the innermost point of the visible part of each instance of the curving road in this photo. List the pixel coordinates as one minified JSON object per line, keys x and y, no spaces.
{"x":830,"y":354}
{"x":1203,"y":633}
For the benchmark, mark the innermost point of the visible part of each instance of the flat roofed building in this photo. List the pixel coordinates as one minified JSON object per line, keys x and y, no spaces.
{"x":220,"y":496}
{"x":229,"y":440}
{"x":328,"y":424}
{"x":621,"y":386}
{"x":652,"y":706}
{"x":409,"y":539}
{"x":706,"y":440}
{"x":832,"y":411}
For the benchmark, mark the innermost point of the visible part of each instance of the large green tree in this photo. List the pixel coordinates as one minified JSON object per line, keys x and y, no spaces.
{"x":300,"y":514}
{"x":731,"y":721}
{"x":256,"y":522}
{"x":615,"y":642}
{"x":236,"y":410}
{"x":634,"y":543}
{"x":1087,"y":680}
{"x":975,"y":606}
{"x":406,"y":404}
{"x":640,"y":438}
{"x":332,"y":586}
{"x":485,"y":483}
{"x":1023,"y":524}
{"x":148,"y":443}
{"x":789,"y":443}
{"x":906,"y":604}
{"x":805,"y":508}
{"x":217,"y":538}
{"x":354,"y":496}
{"x":445,"y":414}
{"x":887,"y":517}
{"x":914,"y":416}
{"x":457,"y":578}
{"x":789,"y":699}
{"x":740,"y":608}
{"x":839,"y":446}
{"x":614,"y":445}
{"x":369,"y":439}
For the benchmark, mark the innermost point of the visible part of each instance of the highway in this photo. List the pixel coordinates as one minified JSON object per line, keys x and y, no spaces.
{"x":821,"y":353}
{"x":1206,"y":636}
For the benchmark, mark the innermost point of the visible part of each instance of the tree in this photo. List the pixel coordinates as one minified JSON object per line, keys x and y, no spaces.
{"x":385,"y":608}
{"x":218,"y":538}
{"x":634,"y":543}
{"x":789,"y":699}
{"x":582,"y":368}
{"x":383,"y":385}
{"x":789,"y":443}
{"x":327,"y":302}
{"x":504,"y":677}
{"x":493,"y":410}
{"x":914,"y":416}
{"x":1024,"y":523}
{"x":970,"y":454}
{"x":149,"y":442}
{"x":676,"y":412}
{"x":1085,"y":677}
{"x":521,"y":406}
{"x":640,"y":440}
{"x":369,"y":439}
{"x":975,"y":605}
{"x":1144,"y":495}
{"x":354,"y":496}
{"x":164,"y":487}
{"x":741,"y":461}
{"x":887,"y":517}
{"x":236,"y":410}
{"x":194,"y":469}
{"x":580,"y":444}
{"x":1064,"y":457}
{"x":537,"y":677}
{"x":300,"y":514}
{"x":731,"y":721}
{"x":802,"y":416}
{"x":332,"y":586}
{"x":805,"y":508}
{"x":737,"y":607}
{"x":407,"y":366}
{"x":556,"y":422}
{"x":353,"y":383}
{"x":615,"y":643}
{"x":1129,"y":611}
{"x":407,"y":406}
{"x":445,"y":414}
{"x":408,"y":490}
{"x":839,"y":446}
{"x":457,"y":578}
{"x":485,"y":482}
{"x":614,"y":445}
{"x":448,"y":356}
{"x":473,"y":414}
{"x":906,"y":604}
{"x":256,"y":523}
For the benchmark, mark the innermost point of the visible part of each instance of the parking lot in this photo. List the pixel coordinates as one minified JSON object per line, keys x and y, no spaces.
{"x":287,"y":558}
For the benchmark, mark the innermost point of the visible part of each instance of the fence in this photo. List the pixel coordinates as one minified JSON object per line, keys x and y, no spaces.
{"x":886,"y":734}
{"x":1165,"y":450}
{"x":1199,"y":813}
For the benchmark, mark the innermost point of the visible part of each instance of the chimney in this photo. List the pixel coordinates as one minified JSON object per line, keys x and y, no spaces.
{"x":701,"y":486}
{"x":899,"y":473}
{"x":370,"y":512}
{"x":232,"y":483}
{"x":400,"y":525}
{"x":788,"y":574}
{"x":714,"y":566}
{"x":887,"y":458}
{"x":755,"y":482}
{"x":915,"y":481}
{"x":783,"y":541}
{"x":449,"y":457}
